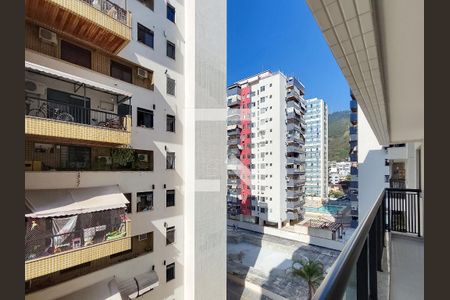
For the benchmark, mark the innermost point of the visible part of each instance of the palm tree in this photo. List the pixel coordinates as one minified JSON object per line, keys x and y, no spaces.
{"x":311,"y":271}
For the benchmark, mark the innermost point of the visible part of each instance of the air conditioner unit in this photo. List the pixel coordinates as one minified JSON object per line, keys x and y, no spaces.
{"x":143,"y":157}
{"x":142,"y":237}
{"x":106,"y":159}
{"x":48,"y":36}
{"x":34,"y":87}
{"x":142,"y":73}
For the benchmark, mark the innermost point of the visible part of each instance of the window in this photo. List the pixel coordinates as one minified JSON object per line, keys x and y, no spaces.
{"x":148,"y":3}
{"x":144,"y":160}
{"x":170,"y":123}
{"x":170,"y":51}
{"x":144,"y":118}
{"x":170,"y":272}
{"x":263,"y":88}
{"x":128,"y":196}
{"x":144,"y":201}
{"x":170,"y":13}
{"x":170,"y":198}
{"x":121,"y":72}
{"x":170,"y":160}
{"x":170,"y":86}
{"x":145,"y":35}
{"x":170,"y":235}
{"x":76,"y":55}
{"x":262,"y":210}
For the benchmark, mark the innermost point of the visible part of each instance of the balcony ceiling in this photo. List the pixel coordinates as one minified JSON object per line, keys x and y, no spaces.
{"x":379,"y":48}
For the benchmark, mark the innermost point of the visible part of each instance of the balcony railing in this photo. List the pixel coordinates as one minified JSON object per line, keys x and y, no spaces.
{"x":354,"y":273}
{"x":111,"y":9}
{"x":74,"y":253}
{"x":47,"y":109}
{"x":66,"y":121}
{"x":353,"y":130}
{"x":353,"y":105}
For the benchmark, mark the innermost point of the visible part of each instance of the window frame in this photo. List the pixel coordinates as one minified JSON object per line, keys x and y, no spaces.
{"x":171,"y":201}
{"x":167,"y":160}
{"x":168,"y":79}
{"x":172,"y":119}
{"x":170,"y":267}
{"x":138,"y":200}
{"x":171,"y":8}
{"x":169,"y":43}
{"x":145,"y":32}
{"x":145,"y":112}
{"x":170,"y":230}
{"x":122,"y":68}
{"x":68,"y":45}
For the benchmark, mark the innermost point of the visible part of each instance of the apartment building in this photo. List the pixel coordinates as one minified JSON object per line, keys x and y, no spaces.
{"x":114,"y":162}
{"x":266,"y":170}
{"x":353,"y":157}
{"x":316,"y":148}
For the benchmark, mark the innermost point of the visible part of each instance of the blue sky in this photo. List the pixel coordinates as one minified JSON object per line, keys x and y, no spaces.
{"x":283,"y":35}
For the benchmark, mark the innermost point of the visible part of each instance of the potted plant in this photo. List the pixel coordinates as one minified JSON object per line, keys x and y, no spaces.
{"x":122,"y":157}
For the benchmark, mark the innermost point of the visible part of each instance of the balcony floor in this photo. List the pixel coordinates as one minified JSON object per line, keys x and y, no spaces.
{"x":407,"y":268}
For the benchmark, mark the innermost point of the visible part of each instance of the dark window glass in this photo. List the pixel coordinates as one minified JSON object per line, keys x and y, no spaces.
{"x":171,"y":13}
{"x":76,"y":55}
{"x":121,"y":72}
{"x":144,"y":118}
{"x":170,"y":50}
{"x":170,"y":160}
{"x":145,"y":35}
{"x":170,"y":86}
{"x":170,"y":123}
{"x":149,"y":3}
{"x":144,"y":201}
{"x":170,"y":272}
{"x":170,"y":198}
{"x":144,"y":160}
{"x":170,"y":235}
{"x":79,"y":157}
{"x":128,"y":196}
{"x":124,"y":109}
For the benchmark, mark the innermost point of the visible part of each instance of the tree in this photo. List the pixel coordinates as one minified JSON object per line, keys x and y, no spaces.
{"x":335,"y":194}
{"x":311,"y":271}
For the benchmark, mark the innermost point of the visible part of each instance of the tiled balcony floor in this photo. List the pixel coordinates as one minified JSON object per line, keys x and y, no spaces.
{"x":407,"y":268}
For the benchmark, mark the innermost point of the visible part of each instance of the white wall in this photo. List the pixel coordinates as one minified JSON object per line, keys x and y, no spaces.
{"x":205,"y":150}
{"x":371,"y":166}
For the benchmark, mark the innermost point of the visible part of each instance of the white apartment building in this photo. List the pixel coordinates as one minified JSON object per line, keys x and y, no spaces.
{"x":316,"y":148}
{"x":116,"y":94}
{"x":334,"y":178}
{"x":338,"y":170}
{"x":266,"y":169}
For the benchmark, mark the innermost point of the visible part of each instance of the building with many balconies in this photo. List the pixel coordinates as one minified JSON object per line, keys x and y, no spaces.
{"x":111,"y":162}
{"x":266,"y":170}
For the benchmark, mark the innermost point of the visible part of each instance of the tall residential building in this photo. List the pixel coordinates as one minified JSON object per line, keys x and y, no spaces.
{"x":316,"y":147}
{"x":116,"y":163}
{"x":353,"y":157}
{"x":266,"y":171}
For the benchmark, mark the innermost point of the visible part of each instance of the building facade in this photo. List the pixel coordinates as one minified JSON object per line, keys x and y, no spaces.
{"x":111,"y":88}
{"x":266,"y":171}
{"x":316,"y":147}
{"x":353,"y":157}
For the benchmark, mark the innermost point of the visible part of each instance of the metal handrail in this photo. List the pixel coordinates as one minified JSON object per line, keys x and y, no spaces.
{"x":334,"y":284}
{"x":111,"y":9}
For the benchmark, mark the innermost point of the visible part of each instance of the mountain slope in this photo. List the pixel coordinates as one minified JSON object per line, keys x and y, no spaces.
{"x":338,"y":135}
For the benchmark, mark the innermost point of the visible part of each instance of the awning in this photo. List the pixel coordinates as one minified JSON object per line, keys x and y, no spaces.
{"x":63,"y":202}
{"x":138,"y":285}
{"x":75,"y":79}
{"x":103,"y":290}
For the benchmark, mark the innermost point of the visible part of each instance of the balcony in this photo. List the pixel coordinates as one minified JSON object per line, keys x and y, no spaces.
{"x":293,"y":126}
{"x":354,"y":106}
{"x":233,"y":113}
{"x":292,"y":82}
{"x":104,"y":25}
{"x":353,"y":130}
{"x":45,"y":265}
{"x":293,"y":194}
{"x":363,"y":270}
{"x":233,"y":181}
{"x":294,"y":149}
{"x":293,"y":95}
{"x":294,"y":171}
{"x":233,"y":90}
{"x":353,"y":184}
{"x":40,"y":156}
{"x":354,"y":118}
{"x":353,"y":171}
{"x":234,"y":100}
{"x":64,"y":122}
{"x":233,"y":142}
{"x":293,"y":204}
{"x":66,"y":108}
{"x":293,"y":183}
{"x":293,"y":161}
{"x":353,"y":157}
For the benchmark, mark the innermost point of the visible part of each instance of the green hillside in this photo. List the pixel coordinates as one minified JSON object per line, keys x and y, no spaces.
{"x":338,"y":123}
